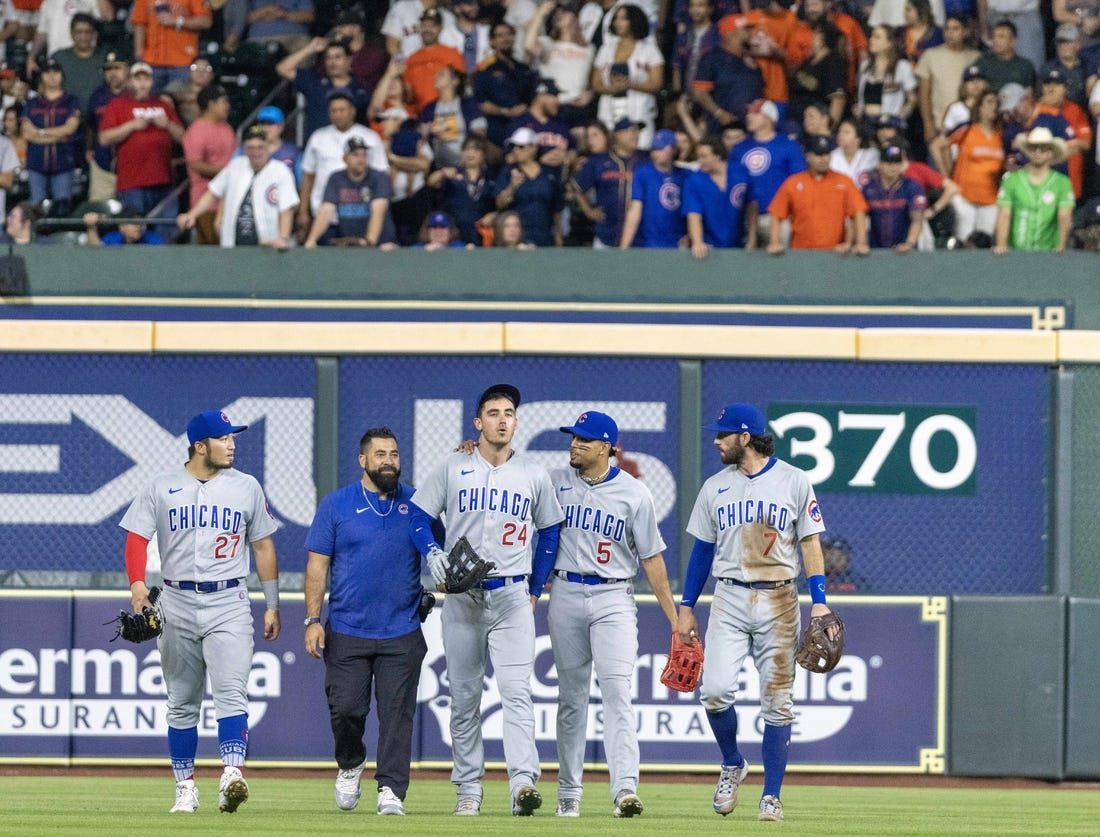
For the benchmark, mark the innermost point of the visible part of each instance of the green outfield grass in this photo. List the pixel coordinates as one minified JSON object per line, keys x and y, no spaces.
{"x":113,"y":805}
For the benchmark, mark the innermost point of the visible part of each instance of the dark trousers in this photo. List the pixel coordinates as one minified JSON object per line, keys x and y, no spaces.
{"x":393,"y":665}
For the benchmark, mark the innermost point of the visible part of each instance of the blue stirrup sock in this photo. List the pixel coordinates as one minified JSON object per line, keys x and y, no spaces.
{"x":182,"y":746}
{"x":777,"y":740}
{"x":724,"y":725}
{"x":233,"y":739}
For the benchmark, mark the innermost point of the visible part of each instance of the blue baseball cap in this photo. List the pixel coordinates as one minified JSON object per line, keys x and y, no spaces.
{"x":439,"y":219}
{"x":739,"y":418}
{"x":213,"y":424}
{"x":664,"y":138}
{"x":270,"y":114}
{"x":599,"y":427}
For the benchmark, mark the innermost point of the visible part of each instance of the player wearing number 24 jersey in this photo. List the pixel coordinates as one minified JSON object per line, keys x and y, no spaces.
{"x":499,"y":500}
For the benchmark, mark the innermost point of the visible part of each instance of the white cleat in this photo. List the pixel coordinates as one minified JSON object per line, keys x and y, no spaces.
{"x":347,"y":787}
{"x":232,"y":790}
{"x":468,"y":806}
{"x":187,"y":798}
{"x":771,"y":809}
{"x":729,"y":781}
{"x":389,"y":804}
{"x":568,"y":808}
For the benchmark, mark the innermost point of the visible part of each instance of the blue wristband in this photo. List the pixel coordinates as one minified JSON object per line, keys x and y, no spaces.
{"x":816,"y":584}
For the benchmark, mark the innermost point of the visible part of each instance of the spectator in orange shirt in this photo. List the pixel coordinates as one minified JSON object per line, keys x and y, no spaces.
{"x":775,"y":43}
{"x":166,"y":36}
{"x":825,"y":208}
{"x":979,"y":165}
{"x":424,"y":63}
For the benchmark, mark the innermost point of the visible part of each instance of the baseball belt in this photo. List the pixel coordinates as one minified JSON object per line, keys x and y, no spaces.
{"x":757,"y":585}
{"x":577,"y":578}
{"x":205,"y":586}
{"x":497,"y":582}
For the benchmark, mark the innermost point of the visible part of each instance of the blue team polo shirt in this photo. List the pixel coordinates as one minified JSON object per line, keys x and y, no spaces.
{"x":661,"y":195}
{"x":769,"y":164}
{"x":722,"y":212}
{"x":375,"y":573}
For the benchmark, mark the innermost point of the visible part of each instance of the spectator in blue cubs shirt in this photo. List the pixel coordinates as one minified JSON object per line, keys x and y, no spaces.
{"x":770,"y":158}
{"x":126,"y":234}
{"x":896,"y":203}
{"x":532,"y":190}
{"x":714,"y":199}
{"x":610,"y":174}
{"x":656,"y":197}
{"x":355,"y":204}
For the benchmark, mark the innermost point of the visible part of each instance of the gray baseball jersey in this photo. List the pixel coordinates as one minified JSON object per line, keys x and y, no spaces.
{"x":498,"y":509}
{"x":608,"y":527}
{"x":756,"y":522}
{"x":203,"y":529}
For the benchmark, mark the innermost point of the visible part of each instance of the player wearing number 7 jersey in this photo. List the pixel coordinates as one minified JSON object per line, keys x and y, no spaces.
{"x":610,"y":524}
{"x":749,"y":521}
{"x":498,"y":499}
{"x":208,"y":519}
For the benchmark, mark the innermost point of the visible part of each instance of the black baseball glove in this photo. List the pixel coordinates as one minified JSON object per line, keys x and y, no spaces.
{"x":139,"y":627}
{"x":822,"y":644}
{"x":459,"y":571}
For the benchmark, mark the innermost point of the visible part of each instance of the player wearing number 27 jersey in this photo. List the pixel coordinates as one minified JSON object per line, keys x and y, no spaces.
{"x":498,"y":499}
{"x":610,"y":524}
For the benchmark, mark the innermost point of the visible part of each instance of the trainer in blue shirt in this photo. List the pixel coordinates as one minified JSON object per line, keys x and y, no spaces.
{"x":769,"y":158}
{"x":655,"y":198}
{"x":714,"y":200}
{"x":361,"y":533}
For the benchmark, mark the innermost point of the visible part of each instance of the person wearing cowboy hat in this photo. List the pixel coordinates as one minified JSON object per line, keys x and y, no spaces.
{"x":1035,"y":203}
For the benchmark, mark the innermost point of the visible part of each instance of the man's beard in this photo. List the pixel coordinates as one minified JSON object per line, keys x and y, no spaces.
{"x":211,"y":465}
{"x":385,"y":479}
{"x":734,"y":455}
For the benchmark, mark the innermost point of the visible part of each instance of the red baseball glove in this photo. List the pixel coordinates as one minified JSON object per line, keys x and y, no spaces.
{"x":684,"y":666}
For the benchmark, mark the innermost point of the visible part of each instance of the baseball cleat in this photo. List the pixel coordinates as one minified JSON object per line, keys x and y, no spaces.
{"x":389,"y":804}
{"x":526,"y":802}
{"x":468,"y":806}
{"x":187,"y":798}
{"x":771,"y":809}
{"x":232,"y":791}
{"x":347,"y":787}
{"x":568,"y":808}
{"x":627,"y":804}
{"x":729,"y":781}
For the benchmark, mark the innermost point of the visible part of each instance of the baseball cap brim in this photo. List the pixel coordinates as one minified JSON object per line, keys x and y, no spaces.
{"x":499,"y":391}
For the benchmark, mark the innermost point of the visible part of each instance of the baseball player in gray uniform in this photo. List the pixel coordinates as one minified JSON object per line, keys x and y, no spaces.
{"x":610,"y":523}
{"x":500,"y":500}
{"x":749,"y":521}
{"x":209,"y":520}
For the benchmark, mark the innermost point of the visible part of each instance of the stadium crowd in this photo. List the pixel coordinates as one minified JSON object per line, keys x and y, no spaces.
{"x":828,"y":124}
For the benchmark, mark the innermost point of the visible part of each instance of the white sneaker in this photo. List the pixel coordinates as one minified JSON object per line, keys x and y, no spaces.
{"x":347,"y":787}
{"x":388,"y":803}
{"x":187,"y":798}
{"x":627,"y":804}
{"x":568,"y":808}
{"x":468,"y":806}
{"x":232,"y":790}
{"x":729,"y":781}
{"x":771,"y":809}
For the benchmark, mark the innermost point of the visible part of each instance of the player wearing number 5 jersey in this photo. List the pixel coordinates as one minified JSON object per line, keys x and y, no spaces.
{"x":209,"y":519}
{"x":499,"y":500}
{"x":749,"y":521}
{"x":610,"y":524}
